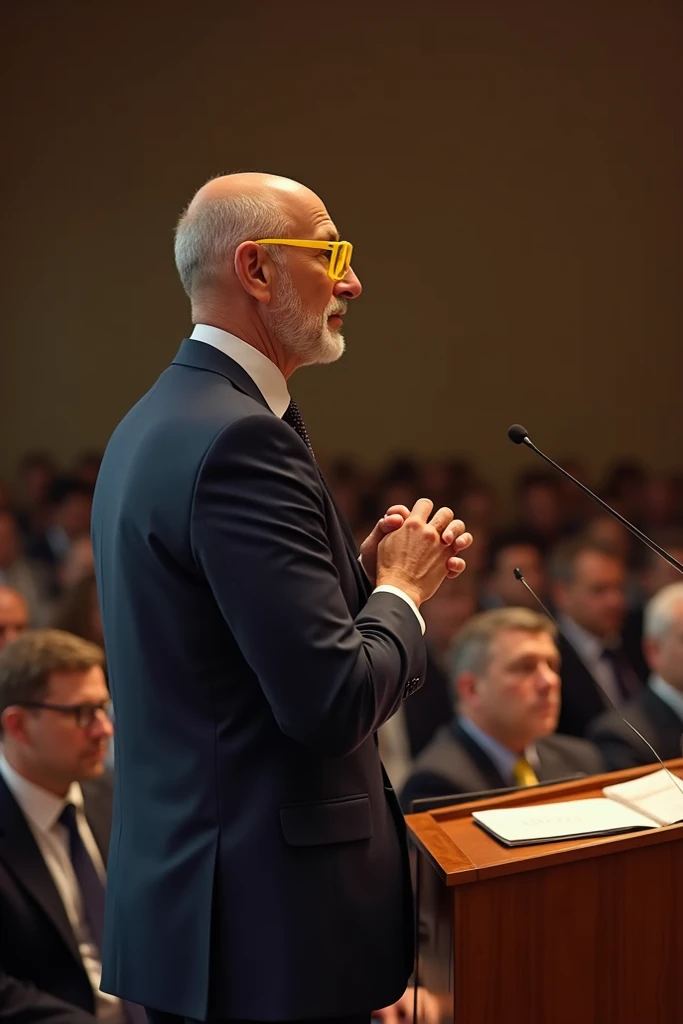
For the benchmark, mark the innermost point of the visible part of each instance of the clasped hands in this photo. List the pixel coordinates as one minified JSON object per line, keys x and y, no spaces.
{"x":409,"y":550}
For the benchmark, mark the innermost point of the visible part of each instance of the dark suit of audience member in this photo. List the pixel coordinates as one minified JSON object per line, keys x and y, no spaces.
{"x":583,"y":698}
{"x":429,"y":708}
{"x":37,"y":941}
{"x":589,"y":592}
{"x":455,"y":763}
{"x":23,"y":1003}
{"x":653,"y":718}
{"x":503,"y":669}
{"x":657,"y":712}
{"x":55,"y":819}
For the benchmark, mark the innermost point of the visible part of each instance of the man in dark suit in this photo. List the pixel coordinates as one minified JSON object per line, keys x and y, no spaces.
{"x":55,"y":731}
{"x":257,"y":868}
{"x":588,"y":586}
{"x":657,"y":712}
{"x":504,"y":674}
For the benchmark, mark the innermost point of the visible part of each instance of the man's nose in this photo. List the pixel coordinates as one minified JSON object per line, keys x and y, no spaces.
{"x":349,"y":287}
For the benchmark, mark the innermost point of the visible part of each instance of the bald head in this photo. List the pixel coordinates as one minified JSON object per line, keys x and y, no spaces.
{"x":237,"y":208}
{"x":13,"y":615}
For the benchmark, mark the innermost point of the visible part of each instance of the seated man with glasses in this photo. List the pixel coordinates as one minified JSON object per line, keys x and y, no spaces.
{"x":55,"y":816}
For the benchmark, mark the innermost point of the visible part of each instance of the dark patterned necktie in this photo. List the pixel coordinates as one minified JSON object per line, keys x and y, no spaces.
{"x":89,"y":882}
{"x":296,"y":421}
{"x":616,"y":659}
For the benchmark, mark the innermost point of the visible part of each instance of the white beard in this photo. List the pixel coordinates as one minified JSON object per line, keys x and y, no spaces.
{"x":307,"y":335}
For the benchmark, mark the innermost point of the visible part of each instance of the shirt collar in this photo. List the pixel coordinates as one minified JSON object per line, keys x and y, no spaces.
{"x":672,"y":697}
{"x":503,"y":758}
{"x":265,"y":374}
{"x":41,"y":807}
{"x":588,"y":646}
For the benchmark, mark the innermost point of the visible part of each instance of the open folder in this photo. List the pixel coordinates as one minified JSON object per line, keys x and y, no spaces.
{"x":648,"y":802}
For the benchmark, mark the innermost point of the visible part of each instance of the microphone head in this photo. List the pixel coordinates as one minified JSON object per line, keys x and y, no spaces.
{"x":518,"y":574}
{"x":517,"y":433}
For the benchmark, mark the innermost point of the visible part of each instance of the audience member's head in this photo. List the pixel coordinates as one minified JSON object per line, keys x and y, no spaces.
{"x":71,"y":504}
{"x":540,"y":505}
{"x":504,"y":669}
{"x":54,"y":708}
{"x":35,"y":475}
{"x":78,"y":563}
{"x":454,"y":603}
{"x":656,"y":572}
{"x":588,"y":584}
{"x":515,"y":551}
{"x":624,"y":488}
{"x":10,"y":546}
{"x":13,"y":615}
{"x":87,"y":467}
{"x":79,"y":612}
{"x":606,"y":530}
{"x":477,"y":507}
{"x":663,"y":634}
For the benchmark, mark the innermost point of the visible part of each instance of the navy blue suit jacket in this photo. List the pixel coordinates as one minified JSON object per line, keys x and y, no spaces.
{"x":257,"y":866}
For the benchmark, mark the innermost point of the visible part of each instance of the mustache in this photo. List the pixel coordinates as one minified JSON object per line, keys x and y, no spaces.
{"x":337,"y":306}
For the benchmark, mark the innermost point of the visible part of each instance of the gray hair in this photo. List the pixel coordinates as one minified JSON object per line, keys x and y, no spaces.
{"x":472,"y":647}
{"x":659,"y":611}
{"x":209,"y":232}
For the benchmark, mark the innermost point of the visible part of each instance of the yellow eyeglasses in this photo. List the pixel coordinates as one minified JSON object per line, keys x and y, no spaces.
{"x":340,"y":252}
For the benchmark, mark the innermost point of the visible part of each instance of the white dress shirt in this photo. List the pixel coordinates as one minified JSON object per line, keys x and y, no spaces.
{"x":503,"y":758}
{"x":271,"y":383}
{"x":42,"y":810}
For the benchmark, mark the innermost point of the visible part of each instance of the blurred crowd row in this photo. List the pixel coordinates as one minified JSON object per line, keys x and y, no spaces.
{"x":46,"y":556}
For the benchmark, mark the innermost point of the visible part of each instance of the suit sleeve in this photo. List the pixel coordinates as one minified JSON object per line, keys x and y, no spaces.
{"x":21,"y":1003}
{"x":618,"y":751}
{"x":259,"y":536}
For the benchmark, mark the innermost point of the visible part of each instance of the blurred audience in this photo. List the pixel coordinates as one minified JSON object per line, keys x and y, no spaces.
{"x":47,"y":570}
{"x":503,"y":670}
{"x":18,"y":572}
{"x":657,"y":712}
{"x":69,"y":506}
{"x":510,"y":551}
{"x":13,"y":615}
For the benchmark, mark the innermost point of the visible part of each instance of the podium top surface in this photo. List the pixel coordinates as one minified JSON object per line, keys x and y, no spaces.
{"x":461,"y":852}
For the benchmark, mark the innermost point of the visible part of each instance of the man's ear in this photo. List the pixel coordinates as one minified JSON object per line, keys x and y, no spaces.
{"x":13,"y":721}
{"x":255,"y":271}
{"x":466,"y":687}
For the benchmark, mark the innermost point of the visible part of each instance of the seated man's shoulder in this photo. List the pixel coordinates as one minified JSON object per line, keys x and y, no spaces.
{"x":579,"y":754}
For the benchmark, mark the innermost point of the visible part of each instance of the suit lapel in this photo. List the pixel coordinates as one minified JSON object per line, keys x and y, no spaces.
{"x":97,"y":805}
{"x":19,"y":851}
{"x":494,"y":780}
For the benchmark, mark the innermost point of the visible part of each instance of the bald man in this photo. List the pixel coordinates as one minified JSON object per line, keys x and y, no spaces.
{"x":13,"y":615}
{"x":258,"y":869}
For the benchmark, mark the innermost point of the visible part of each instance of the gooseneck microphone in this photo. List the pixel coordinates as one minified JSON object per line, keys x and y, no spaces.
{"x":520,"y":576}
{"x":519,"y":435}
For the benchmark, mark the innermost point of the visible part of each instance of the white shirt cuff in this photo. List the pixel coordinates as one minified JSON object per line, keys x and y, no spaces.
{"x":388,"y":589}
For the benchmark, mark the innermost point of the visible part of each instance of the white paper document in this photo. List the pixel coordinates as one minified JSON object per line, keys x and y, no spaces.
{"x":648,"y":802}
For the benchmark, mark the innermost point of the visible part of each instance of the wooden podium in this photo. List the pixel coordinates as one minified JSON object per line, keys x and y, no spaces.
{"x":587,"y":931}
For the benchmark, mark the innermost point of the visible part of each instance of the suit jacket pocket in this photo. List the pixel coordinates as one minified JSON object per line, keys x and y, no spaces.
{"x":343,"y":820}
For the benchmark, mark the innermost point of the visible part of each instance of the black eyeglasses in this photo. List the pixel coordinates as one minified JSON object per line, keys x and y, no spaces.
{"x":83,"y":714}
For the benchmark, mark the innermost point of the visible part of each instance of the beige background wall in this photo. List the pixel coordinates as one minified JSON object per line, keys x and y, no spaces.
{"x":510,"y":174}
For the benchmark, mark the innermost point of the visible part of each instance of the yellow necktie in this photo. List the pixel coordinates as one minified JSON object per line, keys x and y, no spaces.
{"x":524,"y":773}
